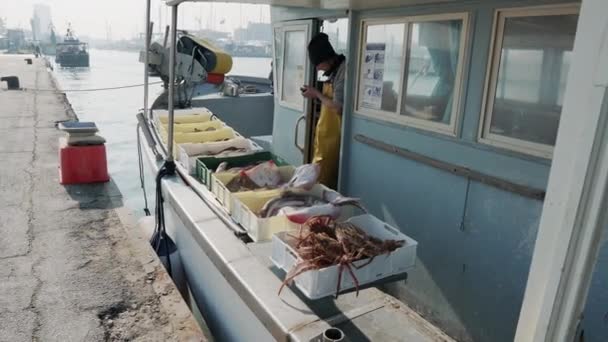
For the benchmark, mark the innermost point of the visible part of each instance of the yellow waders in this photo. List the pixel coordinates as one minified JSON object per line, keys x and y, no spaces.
{"x":327,"y":141}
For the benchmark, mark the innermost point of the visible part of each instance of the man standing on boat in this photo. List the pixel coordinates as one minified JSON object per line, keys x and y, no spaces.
{"x":327,"y":132}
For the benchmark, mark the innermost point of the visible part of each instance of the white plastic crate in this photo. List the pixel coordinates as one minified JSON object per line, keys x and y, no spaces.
{"x":317,"y":284}
{"x":189,"y":162}
{"x":259,"y":228}
{"x":226,"y":198}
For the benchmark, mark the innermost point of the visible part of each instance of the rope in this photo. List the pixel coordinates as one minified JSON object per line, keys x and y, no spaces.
{"x":92,"y":89}
{"x":141,"y":172}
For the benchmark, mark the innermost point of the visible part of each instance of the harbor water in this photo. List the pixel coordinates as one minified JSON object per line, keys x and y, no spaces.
{"x":114,"y":110}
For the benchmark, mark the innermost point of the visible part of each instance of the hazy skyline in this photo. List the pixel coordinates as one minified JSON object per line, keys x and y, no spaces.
{"x":123,"y":19}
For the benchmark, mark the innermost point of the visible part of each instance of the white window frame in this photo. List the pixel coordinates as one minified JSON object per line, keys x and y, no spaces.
{"x":396,"y":116}
{"x":292,"y":28}
{"x":484,"y":135}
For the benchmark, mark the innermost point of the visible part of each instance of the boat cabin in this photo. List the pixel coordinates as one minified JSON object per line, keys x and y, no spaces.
{"x":474,"y":127}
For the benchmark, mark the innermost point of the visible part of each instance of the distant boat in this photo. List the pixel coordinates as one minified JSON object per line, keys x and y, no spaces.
{"x":72,"y":52}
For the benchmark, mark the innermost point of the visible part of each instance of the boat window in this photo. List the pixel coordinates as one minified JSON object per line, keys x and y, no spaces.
{"x":527,"y":78}
{"x":381,"y":67}
{"x":433,"y":55}
{"x":411,"y":70}
{"x":294,"y":67}
{"x":337,"y":31}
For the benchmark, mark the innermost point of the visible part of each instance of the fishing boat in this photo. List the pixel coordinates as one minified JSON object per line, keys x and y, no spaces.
{"x":488,"y":150}
{"x":72,"y":52}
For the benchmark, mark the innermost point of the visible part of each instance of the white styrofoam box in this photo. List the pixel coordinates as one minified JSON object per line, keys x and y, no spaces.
{"x":189,"y":162}
{"x":259,"y":228}
{"x":321,"y":283}
{"x":226,"y":198}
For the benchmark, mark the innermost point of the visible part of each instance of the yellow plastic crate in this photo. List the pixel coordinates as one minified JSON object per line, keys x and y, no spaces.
{"x":226,"y":198}
{"x":195,"y":127}
{"x":183,"y":116}
{"x":246,"y":204}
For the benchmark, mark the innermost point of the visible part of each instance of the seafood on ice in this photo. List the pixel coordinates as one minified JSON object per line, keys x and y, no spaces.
{"x":299,"y":207}
{"x":322,"y":242}
{"x":304,"y":177}
{"x":262,"y":176}
{"x":266,"y":175}
{"x":214,"y":148}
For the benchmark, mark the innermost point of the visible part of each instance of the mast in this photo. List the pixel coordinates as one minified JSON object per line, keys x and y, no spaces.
{"x":146,"y":56}
{"x":170,"y":103}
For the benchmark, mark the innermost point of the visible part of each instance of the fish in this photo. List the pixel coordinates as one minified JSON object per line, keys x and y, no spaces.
{"x":222,"y":167}
{"x":288,"y":199}
{"x":304,"y":177}
{"x":226,"y":151}
{"x":208,"y":129}
{"x":299,"y":207}
{"x":241,"y":183}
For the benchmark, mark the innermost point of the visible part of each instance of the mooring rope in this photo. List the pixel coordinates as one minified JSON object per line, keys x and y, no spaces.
{"x":141,"y":171}
{"x":60,"y":91}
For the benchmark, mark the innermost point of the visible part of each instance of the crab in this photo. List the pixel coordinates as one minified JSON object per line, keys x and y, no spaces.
{"x":322,"y":241}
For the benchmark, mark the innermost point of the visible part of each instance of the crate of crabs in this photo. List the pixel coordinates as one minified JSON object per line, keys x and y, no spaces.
{"x":326,"y":256}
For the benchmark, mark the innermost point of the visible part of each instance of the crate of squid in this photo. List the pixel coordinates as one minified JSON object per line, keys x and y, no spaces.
{"x":221,"y":146}
{"x":265,"y":213}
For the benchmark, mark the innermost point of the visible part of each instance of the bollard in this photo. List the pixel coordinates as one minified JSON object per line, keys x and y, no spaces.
{"x":333,"y":335}
{"x":12,"y":82}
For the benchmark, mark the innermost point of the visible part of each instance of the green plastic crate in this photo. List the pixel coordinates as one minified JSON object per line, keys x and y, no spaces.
{"x":205,"y":166}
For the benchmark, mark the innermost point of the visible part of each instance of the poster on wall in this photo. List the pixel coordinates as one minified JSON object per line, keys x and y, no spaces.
{"x":373,"y":74}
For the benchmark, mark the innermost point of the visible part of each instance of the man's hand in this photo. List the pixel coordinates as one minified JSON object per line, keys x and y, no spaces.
{"x":310,"y":92}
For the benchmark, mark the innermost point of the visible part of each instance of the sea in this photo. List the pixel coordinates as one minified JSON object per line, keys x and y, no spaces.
{"x":114,"y":110}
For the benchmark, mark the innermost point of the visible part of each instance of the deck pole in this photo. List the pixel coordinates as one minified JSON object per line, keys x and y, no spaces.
{"x":146,"y":57}
{"x":170,"y":101}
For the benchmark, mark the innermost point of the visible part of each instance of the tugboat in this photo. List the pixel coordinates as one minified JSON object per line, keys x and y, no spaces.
{"x":72,"y":52}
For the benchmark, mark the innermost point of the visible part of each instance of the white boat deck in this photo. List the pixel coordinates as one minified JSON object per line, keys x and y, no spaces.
{"x":247,"y":268}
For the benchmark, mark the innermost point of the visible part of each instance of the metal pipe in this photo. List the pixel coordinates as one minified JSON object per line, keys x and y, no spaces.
{"x":146,"y":57}
{"x":170,"y":104}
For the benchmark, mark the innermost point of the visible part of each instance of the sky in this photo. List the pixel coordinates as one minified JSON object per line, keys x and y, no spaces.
{"x":122,"y":19}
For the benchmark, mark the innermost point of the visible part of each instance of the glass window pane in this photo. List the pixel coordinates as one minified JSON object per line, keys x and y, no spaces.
{"x":278,"y":57}
{"x":433,"y":55}
{"x":337,"y":31}
{"x":532,"y":76}
{"x":381,"y":67}
{"x":294,"y":66}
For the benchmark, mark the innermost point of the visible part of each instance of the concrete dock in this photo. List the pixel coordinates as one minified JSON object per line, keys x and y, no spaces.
{"x":72,"y":265}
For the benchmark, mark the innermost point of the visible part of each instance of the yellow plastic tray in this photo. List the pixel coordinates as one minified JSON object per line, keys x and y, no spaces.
{"x":220,"y":179}
{"x":246,"y":204}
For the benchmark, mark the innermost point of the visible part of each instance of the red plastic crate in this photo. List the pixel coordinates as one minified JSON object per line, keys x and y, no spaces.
{"x":82,"y":164}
